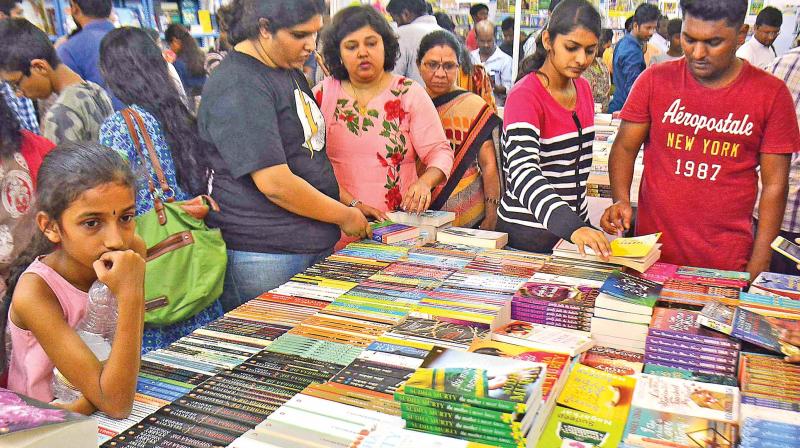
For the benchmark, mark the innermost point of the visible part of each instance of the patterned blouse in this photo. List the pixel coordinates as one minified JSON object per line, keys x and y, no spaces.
{"x":114,"y":134}
{"x":600,"y":82}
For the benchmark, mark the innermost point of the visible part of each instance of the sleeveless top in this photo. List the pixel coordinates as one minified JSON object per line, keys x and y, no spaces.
{"x":30,"y":370}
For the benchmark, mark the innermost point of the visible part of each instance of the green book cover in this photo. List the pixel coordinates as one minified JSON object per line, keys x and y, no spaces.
{"x":459,"y":425}
{"x":510,"y":427}
{"x":570,"y":428}
{"x":456,"y":408}
{"x":630,"y":289}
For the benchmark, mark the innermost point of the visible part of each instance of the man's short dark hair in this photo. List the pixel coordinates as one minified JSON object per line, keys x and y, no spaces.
{"x":22,"y":43}
{"x":507,"y":24}
{"x":646,"y":13}
{"x":629,"y":24}
{"x":476,"y":8}
{"x":416,"y":7}
{"x":674,"y":27}
{"x":95,"y":8}
{"x":770,"y":16}
{"x":7,"y":5}
{"x":352,"y":19}
{"x":732,"y":11}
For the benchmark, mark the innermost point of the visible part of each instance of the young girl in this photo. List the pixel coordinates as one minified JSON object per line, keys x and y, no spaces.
{"x":86,"y":206}
{"x":547,"y":137}
{"x":191,"y":59}
{"x":135,"y":71}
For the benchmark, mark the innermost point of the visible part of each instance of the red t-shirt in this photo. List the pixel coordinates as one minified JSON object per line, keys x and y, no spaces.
{"x":33,"y":148}
{"x":472,"y":40}
{"x":699,"y":183}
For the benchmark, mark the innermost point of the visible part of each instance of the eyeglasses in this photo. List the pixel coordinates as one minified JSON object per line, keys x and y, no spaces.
{"x":434,"y":66}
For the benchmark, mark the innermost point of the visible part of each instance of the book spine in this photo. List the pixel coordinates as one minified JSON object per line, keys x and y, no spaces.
{"x":478,"y":427}
{"x":484,"y":402}
{"x":714,"y":324}
{"x":468,"y":435}
{"x":680,"y":362}
{"x":695,"y":338}
{"x":692,"y":347}
{"x":667,"y":351}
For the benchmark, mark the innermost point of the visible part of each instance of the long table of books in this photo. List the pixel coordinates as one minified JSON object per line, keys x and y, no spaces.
{"x":454,"y":346}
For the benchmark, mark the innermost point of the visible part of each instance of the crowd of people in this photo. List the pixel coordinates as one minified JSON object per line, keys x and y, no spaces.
{"x":402,"y":119}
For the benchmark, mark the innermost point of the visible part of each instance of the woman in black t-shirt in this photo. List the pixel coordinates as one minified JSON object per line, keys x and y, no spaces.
{"x":272,"y":178}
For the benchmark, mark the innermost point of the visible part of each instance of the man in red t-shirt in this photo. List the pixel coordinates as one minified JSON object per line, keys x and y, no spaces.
{"x":479,"y":12}
{"x":709,"y":121}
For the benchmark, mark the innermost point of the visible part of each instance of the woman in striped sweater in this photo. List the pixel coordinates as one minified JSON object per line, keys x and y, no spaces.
{"x":547,"y":137}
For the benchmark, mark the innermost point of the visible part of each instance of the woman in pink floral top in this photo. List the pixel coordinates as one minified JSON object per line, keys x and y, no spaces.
{"x":378,"y":124}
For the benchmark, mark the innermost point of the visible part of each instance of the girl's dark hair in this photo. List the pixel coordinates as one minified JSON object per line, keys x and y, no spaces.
{"x":244,"y":20}
{"x":566,"y":17}
{"x":10,"y":137}
{"x":732,"y":11}
{"x":352,"y":19}
{"x":438,"y":39}
{"x":190,"y":51}
{"x":135,"y":71}
{"x":65,"y":174}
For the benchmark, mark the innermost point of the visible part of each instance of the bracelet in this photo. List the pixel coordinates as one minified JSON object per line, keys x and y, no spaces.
{"x":353,"y":203}
{"x":493,"y":201}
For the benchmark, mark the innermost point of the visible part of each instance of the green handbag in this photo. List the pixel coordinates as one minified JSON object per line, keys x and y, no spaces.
{"x":186,"y":260}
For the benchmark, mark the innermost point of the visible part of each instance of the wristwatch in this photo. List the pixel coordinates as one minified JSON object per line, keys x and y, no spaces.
{"x":353,"y":203}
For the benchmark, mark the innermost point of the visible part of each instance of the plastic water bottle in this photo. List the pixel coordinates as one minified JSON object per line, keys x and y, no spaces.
{"x":97,"y":332}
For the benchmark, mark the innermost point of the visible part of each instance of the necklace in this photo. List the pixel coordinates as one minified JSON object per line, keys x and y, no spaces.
{"x":360,"y":105}
{"x":264,"y":56}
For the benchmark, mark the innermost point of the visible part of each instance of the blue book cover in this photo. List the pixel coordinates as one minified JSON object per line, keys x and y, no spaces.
{"x":630,"y":289}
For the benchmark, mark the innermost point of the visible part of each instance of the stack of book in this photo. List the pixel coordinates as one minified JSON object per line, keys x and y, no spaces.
{"x":389,"y":232}
{"x":638,"y":253}
{"x":439,"y":332}
{"x":770,"y":283}
{"x":592,"y":409}
{"x":440,"y":255}
{"x":748,"y":326}
{"x":757,"y":433}
{"x":574,"y":272}
{"x":771,"y":306}
{"x":555,"y":304}
{"x":672,"y":412}
{"x":506,"y":262}
{"x":429,"y":222}
{"x":623,"y":310}
{"x":769,"y":389}
{"x":472,"y":237}
{"x":677,"y":346}
{"x":480,"y":398}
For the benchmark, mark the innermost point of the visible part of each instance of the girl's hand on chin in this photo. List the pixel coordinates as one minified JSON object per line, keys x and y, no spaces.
{"x":123,"y":273}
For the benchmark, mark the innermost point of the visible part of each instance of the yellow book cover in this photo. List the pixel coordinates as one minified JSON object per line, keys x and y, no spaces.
{"x":204,"y":16}
{"x":636,"y":247}
{"x":598,"y":393}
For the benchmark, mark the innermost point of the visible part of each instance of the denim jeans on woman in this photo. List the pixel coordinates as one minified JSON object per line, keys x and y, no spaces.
{"x":251,"y":274}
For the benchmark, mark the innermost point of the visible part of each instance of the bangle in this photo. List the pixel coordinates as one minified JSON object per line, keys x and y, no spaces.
{"x":494,"y":201}
{"x":353,"y":203}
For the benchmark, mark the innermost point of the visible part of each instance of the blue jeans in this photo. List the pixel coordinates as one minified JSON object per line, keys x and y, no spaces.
{"x":251,"y":274}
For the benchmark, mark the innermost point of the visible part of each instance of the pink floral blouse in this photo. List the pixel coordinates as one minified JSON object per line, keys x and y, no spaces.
{"x":374,"y":150}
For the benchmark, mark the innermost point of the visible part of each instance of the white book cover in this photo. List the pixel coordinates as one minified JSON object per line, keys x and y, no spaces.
{"x":684,"y":397}
{"x":435,"y":218}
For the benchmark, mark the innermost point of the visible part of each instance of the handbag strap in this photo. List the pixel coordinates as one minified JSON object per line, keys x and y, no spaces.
{"x":129,"y":115}
{"x":167,"y":193}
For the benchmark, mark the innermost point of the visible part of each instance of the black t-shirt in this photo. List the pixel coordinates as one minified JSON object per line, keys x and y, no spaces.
{"x":256,"y":117}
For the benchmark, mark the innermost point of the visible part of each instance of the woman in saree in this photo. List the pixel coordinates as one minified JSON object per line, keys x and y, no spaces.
{"x":473,"y":187}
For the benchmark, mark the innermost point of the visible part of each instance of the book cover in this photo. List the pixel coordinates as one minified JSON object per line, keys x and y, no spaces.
{"x":759,"y":330}
{"x":503,"y":384}
{"x":611,"y":360}
{"x":556,"y":295}
{"x":679,"y":324}
{"x":544,"y":337}
{"x":28,"y":422}
{"x":556,"y":362}
{"x":575,"y":429}
{"x":689,"y":398}
{"x":598,"y":393}
{"x":781,"y":284}
{"x":649,"y":428}
{"x":717,"y":316}
{"x":635,"y":247}
{"x":472,"y":237}
{"x":630,"y":292}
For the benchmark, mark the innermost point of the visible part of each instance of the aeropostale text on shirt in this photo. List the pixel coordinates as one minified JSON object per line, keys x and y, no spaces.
{"x":677,"y":115}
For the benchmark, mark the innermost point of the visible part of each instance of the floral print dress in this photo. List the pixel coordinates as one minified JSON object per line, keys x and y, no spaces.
{"x":374,"y":148}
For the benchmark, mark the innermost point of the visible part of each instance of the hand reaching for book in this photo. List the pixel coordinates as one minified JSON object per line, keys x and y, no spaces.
{"x":616,"y":219}
{"x":587,"y":236}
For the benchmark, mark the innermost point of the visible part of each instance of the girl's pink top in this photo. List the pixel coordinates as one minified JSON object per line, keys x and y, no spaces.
{"x":30,"y":371}
{"x":374,"y":149}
